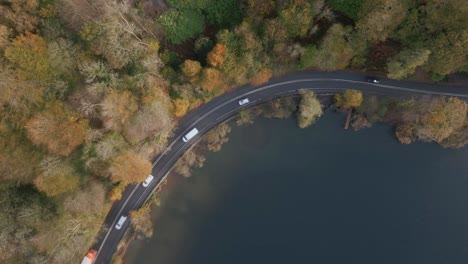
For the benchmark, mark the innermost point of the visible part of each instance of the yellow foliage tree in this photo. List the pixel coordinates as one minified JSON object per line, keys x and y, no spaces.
{"x":217,"y":55}
{"x":442,"y":119}
{"x":28,"y":53}
{"x":349,"y":99}
{"x":141,"y":221}
{"x":57,"y":178}
{"x":181,"y":107}
{"x":129,"y":168}
{"x":58,"y":128}
{"x":191,"y":68}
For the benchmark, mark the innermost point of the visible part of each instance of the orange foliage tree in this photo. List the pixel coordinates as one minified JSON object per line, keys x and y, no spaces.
{"x":217,"y":55}
{"x":59,"y":129}
{"x":129,"y":168}
{"x":261,"y":77}
{"x":211,"y":79}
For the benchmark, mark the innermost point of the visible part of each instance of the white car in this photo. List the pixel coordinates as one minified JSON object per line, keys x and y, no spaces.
{"x":190,"y":135}
{"x":120,"y":223}
{"x":148,"y":180}
{"x":244,"y":101}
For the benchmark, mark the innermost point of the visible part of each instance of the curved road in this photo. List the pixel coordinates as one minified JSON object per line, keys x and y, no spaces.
{"x":220,"y":108}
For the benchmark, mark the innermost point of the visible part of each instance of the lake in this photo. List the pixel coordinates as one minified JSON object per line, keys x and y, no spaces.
{"x":279,"y":194}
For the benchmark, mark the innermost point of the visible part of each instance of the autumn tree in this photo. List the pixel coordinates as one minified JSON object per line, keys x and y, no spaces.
{"x":449,"y":52}
{"x":90,"y":200}
{"x":261,"y":77}
{"x":190,"y":68}
{"x":181,"y":107}
{"x":334,"y":52}
{"x":405,"y":63}
{"x":59,"y":129}
{"x":117,"y":108}
{"x":379,"y":18}
{"x":297,"y":18}
{"x":458,"y":139}
{"x":309,"y":109}
{"x":152,"y":120}
{"x":22,"y":14}
{"x":441,"y":119}
{"x":24,"y":210}
{"x":18,"y":161}
{"x":217,"y":137}
{"x":211,"y":79}
{"x":141,"y":221}
{"x":129,"y":168}
{"x":443,"y":16}
{"x":57,"y":177}
{"x":28,"y":53}
{"x":280,"y":108}
{"x":217,"y":55}
{"x":189,"y":160}
{"x":349,"y":99}
{"x":258,"y":9}
{"x":275,"y":35}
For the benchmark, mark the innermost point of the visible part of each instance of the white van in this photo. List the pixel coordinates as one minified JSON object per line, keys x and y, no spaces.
{"x":148,"y":180}
{"x":120,"y":223}
{"x":190,"y":135}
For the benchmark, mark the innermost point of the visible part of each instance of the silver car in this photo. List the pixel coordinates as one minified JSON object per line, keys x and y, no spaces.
{"x":244,"y":101}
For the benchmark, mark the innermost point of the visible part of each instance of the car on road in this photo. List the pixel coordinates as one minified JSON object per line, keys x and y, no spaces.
{"x":148,"y":180}
{"x":121,"y":221}
{"x":244,"y":101}
{"x":190,"y":135}
{"x":89,"y":258}
{"x":373,"y":80}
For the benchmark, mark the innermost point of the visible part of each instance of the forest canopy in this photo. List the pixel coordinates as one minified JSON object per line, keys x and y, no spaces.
{"x":91,"y":90}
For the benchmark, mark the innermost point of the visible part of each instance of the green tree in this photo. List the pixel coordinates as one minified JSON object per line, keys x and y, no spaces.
{"x":180,"y":25}
{"x":349,"y":7}
{"x":309,"y":109}
{"x":223,"y":13}
{"x":405,"y":62}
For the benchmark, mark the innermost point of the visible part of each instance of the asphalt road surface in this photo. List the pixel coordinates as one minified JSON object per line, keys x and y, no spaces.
{"x":225,"y":106}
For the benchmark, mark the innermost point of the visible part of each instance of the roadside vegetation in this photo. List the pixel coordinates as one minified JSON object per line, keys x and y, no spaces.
{"x":91,"y":90}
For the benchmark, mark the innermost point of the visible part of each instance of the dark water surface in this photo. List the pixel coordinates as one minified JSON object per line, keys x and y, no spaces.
{"x":279,"y":194}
